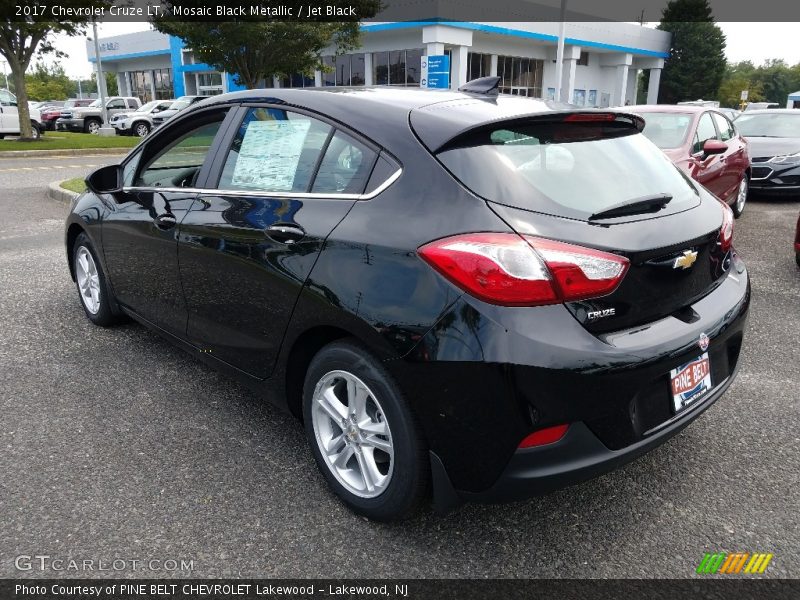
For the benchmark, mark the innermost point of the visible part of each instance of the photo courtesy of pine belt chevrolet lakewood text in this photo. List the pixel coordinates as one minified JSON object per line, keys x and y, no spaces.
{"x":461,"y":295}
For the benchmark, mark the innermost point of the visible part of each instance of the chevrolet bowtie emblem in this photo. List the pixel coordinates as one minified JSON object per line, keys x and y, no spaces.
{"x":685,"y":260}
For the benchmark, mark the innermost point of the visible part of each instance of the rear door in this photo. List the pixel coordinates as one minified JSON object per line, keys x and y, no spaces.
{"x":284,"y":181}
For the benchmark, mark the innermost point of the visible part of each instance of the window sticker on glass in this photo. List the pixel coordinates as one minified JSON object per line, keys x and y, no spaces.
{"x":275,"y":169}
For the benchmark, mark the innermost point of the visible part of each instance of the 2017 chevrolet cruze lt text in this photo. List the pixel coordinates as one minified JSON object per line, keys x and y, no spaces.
{"x":477,"y":297}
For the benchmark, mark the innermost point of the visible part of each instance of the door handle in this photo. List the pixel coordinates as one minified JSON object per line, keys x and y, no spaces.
{"x":165,"y":221}
{"x":285,"y":233}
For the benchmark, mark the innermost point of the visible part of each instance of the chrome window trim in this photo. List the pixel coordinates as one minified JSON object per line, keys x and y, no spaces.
{"x":307,"y":195}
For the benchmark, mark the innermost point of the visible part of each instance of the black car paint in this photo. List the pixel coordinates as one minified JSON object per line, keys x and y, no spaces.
{"x":480,"y":377}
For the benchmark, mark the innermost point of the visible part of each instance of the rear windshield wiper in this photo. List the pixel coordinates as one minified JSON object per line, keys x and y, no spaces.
{"x":635,"y":206}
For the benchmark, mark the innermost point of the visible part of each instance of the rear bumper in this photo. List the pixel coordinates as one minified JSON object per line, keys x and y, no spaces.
{"x":485,"y":377}
{"x":579,"y":456}
{"x":69,"y":124}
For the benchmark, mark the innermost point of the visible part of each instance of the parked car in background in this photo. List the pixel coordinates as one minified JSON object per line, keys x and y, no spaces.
{"x":177,"y":106}
{"x":492,"y":297}
{"x":140,"y":121}
{"x":704,"y":144}
{"x":760,"y":106}
{"x":797,"y":242}
{"x":9,"y":117}
{"x":89,"y":119}
{"x":773,"y":136}
{"x":700,"y":102}
{"x":52,"y":114}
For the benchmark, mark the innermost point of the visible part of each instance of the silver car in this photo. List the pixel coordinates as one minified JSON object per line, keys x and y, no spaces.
{"x":140,"y":121}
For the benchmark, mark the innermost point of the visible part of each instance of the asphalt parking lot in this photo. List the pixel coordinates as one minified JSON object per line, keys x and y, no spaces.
{"x":116,"y":445}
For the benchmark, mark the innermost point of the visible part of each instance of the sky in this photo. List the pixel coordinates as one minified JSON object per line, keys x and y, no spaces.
{"x":745,"y":41}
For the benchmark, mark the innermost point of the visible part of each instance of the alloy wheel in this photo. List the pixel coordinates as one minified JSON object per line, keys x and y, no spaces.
{"x":94,"y":127}
{"x":88,"y":279}
{"x":741,"y":197}
{"x":142,"y":130}
{"x":353,"y":434}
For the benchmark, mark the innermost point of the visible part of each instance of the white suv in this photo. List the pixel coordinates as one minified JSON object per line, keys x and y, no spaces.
{"x":9,"y":117}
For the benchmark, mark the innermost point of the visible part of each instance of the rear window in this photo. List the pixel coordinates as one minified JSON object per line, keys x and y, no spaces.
{"x":566,"y":169}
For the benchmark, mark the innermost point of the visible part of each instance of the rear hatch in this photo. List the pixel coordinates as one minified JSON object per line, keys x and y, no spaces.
{"x":589,"y":179}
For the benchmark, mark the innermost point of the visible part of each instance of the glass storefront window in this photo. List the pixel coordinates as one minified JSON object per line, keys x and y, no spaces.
{"x":520,"y":76}
{"x":396,"y":67}
{"x":478,"y":65}
{"x":209,"y":84}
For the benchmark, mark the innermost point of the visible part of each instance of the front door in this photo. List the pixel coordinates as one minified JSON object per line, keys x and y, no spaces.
{"x":709,"y":171}
{"x":247,"y":246}
{"x":140,"y":234}
{"x":9,"y":117}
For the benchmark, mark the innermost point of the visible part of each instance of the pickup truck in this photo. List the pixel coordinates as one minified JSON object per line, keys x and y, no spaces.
{"x":9,"y":117}
{"x":89,"y":119}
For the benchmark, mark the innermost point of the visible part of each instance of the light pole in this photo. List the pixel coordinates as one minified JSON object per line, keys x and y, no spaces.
{"x":5,"y":76}
{"x":101,"y":86}
{"x":560,"y":52}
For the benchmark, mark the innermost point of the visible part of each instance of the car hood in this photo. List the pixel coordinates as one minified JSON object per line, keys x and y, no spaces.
{"x":765,"y":147}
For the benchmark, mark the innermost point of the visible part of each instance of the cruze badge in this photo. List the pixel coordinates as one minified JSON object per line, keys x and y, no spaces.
{"x":685,"y":260}
{"x":593,"y":315}
{"x":703,"y":342}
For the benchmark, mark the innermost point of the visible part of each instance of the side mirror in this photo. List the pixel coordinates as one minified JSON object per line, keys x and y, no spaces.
{"x":105,"y":180}
{"x":714,"y":147}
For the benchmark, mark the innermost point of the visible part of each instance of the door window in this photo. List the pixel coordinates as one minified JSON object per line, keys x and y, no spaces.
{"x":705,"y":131}
{"x":119,"y":103}
{"x":178,"y":162}
{"x":274,"y":151}
{"x":7,"y":98}
{"x":725,"y":128}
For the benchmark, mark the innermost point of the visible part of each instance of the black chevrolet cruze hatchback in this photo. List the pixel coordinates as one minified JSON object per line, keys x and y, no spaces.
{"x":477,"y":297}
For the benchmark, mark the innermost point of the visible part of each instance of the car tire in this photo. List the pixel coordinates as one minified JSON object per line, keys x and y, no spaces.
{"x":35,"y":131}
{"x":140,"y":129}
{"x":90,"y":281}
{"x":741,"y":196}
{"x":375,"y":460}
{"x":92,"y":126}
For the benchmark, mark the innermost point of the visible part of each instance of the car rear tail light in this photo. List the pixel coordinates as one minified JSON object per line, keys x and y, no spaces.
{"x":726,"y":231}
{"x":512,"y":270}
{"x":548,"y":435}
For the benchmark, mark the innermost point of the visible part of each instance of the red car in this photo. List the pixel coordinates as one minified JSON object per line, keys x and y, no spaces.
{"x":797,"y":242}
{"x":704,"y":144}
{"x":51,"y":115}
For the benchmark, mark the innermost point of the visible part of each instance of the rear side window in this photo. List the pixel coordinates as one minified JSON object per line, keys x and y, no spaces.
{"x":345,"y":167}
{"x":724,"y":126}
{"x":705,"y":132}
{"x":275,"y":150}
{"x":570,"y":169}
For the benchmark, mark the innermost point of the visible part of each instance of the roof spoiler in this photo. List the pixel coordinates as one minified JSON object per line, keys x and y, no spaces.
{"x":487,"y":86}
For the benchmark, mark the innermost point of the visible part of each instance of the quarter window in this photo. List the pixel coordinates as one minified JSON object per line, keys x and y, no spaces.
{"x":725,"y":128}
{"x":705,"y":131}
{"x":274,"y":151}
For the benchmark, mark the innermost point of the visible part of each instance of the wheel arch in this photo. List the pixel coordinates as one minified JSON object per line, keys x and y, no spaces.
{"x":299,"y":357}
{"x":73,"y":232}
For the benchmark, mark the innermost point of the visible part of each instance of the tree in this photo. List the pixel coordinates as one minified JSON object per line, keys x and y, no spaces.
{"x":254,"y":51}
{"x":696,"y":63}
{"x":23,"y":37}
{"x":47,"y":82}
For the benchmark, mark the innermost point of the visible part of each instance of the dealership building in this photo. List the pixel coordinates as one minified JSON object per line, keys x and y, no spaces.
{"x":599,"y":68}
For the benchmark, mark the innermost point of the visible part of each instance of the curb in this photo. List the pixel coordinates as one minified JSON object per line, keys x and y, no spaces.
{"x":56,"y":153}
{"x":56,"y":192}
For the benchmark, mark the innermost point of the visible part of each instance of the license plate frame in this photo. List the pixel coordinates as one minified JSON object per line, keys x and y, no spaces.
{"x":689,"y":382}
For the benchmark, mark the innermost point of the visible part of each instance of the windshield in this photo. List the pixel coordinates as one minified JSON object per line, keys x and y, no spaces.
{"x":149,"y":106}
{"x":769,"y":125}
{"x":181,"y":103}
{"x":666,"y":130}
{"x":567,"y":169}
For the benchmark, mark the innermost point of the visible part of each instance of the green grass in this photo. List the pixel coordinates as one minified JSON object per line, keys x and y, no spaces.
{"x":76,"y":184}
{"x":63,"y":140}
